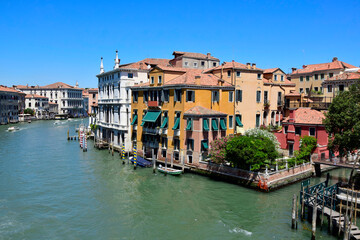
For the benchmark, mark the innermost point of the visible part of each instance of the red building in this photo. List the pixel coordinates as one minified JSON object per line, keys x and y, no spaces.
{"x":303,"y":122}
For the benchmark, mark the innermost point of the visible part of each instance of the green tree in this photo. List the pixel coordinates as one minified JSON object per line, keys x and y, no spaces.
{"x":218,"y":149}
{"x":342,"y":122}
{"x":29,"y":111}
{"x":307,"y":147}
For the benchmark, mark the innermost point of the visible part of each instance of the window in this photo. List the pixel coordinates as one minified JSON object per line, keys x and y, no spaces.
{"x":177,"y":95}
{"x":190,"y":144}
{"x":258,"y":96}
{"x":186,"y":63}
{"x":118,"y":75}
{"x":259,"y":75}
{"x":265,"y":96}
{"x":229,"y":73}
{"x":329,"y":88}
{"x":275,"y":77}
{"x":312,"y":131}
{"x":307,"y":90}
{"x":164,"y":142}
{"x":205,"y":124}
{"x":202,"y":63}
{"x":316,"y":89}
{"x":159,"y":79}
{"x":215,"y":96}
{"x":135,"y":97}
{"x":176,"y":144}
{"x":214,"y":64}
{"x":298,"y":131}
{"x":301,"y":78}
{"x":301,"y":90}
{"x":257,"y":120}
{"x":231,"y":122}
{"x":190,"y":96}
{"x":231,"y":96}
{"x":166,"y":95}
{"x":238,"y":74}
{"x":214,"y":124}
{"x":331,"y":75}
{"x":282,"y":78}
{"x":322,"y":76}
{"x":321,"y":89}
{"x":29,"y":104}
{"x":152,"y":80}
{"x":146,"y":96}
{"x":130,"y":75}
{"x":195,"y":64}
{"x":204,"y":145}
{"x":307,"y":78}
{"x":189,"y":124}
{"x":316,"y":76}
{"x":341,"y":88}
{"x":286,"y":129}
{"x":238,"y":95}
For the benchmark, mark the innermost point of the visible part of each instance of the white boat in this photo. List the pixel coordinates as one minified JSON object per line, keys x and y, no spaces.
{"x":170,"y":171}
{"x":10,"y":129}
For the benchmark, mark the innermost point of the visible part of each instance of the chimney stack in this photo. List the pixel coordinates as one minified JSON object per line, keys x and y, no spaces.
{"x":304,"y":66}
{"x":254,"y":66}
{"x":334,"y":59}
{"x":208,"y":55}
{"x":293,"y":69}
{"x":248,"y":65}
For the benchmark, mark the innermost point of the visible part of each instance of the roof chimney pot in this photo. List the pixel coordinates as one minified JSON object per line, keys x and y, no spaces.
{"x":254,"y":66}
{"x":334,"y":59}
{"x":248,"y":65}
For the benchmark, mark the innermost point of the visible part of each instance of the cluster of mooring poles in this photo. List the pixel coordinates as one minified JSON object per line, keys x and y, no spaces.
{"x":320,"y":202}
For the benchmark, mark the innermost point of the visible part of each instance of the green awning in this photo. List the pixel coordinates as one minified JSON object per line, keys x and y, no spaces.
{"x":188,"y":127}
{"x":151,"y":116}
{"x":176,"y":125}
{"x":165,"y":120}
{"x":204,"y":144}
{"x":214,"y":124}
{"x":134,"y":119}
{"x":222,"y":124}
{"x":205,"y":125}
{"x":142,"y":124}
{"x":238,"y":121}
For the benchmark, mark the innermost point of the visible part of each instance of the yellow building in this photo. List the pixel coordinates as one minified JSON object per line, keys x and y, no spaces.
{"x":180,"y":111}
{"x":259,"y":94}
{"x":341,"y":82}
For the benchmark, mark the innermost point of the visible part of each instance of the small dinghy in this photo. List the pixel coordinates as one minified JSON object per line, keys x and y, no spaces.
{"x":170,"y":171}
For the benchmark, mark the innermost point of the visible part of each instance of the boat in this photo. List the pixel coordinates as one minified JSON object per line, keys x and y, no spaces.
{"x":141,"y":162}
{"x":10,"y":129}
{"x":170,"y":171}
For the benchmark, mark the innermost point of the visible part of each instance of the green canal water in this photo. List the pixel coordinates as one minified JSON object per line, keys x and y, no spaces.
{"x":50,"y":189}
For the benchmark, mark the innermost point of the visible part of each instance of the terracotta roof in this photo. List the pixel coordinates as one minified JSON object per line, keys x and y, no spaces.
{"x":173,"y":69}
{"x":308,"y":116}
{"x":12,"y":90}
{"x":58,"y":85}
{"x":201,"y":111}
{"x":190,"y":78}
{"x":346,"y":76}
{"x":35,"y":96}
{"x":270,"y":70}
{"x":293,"y":93}
{"x":143,"y":64}
{"x":232,"y":65}
{"x":285,"y":82}
{"x":195,"y":55}
{"x":336,"y":64}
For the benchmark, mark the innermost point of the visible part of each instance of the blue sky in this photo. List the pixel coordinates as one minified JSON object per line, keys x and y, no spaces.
{"x":48,"y":41}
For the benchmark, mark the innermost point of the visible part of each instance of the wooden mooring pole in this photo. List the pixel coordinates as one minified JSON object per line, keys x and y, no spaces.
{"x":293,"y":220}
{"x":297,"y":212}
{"x":322,"y":210}
{"x":153,"y":160}
{"x":330,"y":217}
{"x":302,"y":202}
{"x":340,"y":218}
{"x":314,"y":216}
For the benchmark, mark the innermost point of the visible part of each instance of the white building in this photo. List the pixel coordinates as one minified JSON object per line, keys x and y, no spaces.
{"x":114,"y":102}
{"x":68,"y":98}
{"x":39,"y":104}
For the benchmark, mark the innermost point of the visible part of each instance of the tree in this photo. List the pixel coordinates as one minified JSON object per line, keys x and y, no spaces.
{"x":262,"y":134}
{"x":218,"y":149}
{"x":342,"y":122}
{"x":307,"y":147}
{"x":29,"y":111}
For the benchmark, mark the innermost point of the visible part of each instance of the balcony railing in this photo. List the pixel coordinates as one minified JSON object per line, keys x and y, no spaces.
{"x":177,"y":133}
{"x":154,"y":131}
{"x":266,"y":104}
{"x":163,"y":131}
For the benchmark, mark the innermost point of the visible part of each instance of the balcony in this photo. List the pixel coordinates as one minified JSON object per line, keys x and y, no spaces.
{"x":177,"y":133}
{"x":134,"y":127}
{"x":266,"y":104}
{"x":152,"y":144}
{"x":154,"y":131}
{"x":163,"y":131}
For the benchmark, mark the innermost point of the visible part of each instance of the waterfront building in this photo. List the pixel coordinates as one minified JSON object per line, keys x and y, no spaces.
{"x":309,"y":79}
{"x":179,"y":112}
{"x":53,"y":110}
{"x":11,"y":104}
{"x":194,"y":60}
{"x":341,"y":82}
{"x":259,"y":94}
{"x":114,"y":102}
{"x":90,"y":96}
{"x":303,"y":122}
{"x":85,"y":95}
{"x":39,"y":104}
{"x":69,"y":98}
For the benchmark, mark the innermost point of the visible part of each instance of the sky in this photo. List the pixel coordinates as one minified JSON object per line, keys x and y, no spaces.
{"x":43,"y":42}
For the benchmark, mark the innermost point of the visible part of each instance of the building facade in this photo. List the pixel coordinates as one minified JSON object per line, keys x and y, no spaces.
{"x":194,"y":60}
{"x":39,"y":104}
{"x":12,"y":103}
{"x":341,"y":82}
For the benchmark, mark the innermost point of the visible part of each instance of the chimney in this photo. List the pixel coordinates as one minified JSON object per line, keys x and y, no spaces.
{"x":334,"y":59}
{"x":197,"y":79}
{"x":304,"y":66}
{"x":248,"y":65}
{"x":141,"y":65}
{"x":293,"y":69}
{"x":254,"y":66}
{"x":233,"y":60}
{"x":208,"y":55}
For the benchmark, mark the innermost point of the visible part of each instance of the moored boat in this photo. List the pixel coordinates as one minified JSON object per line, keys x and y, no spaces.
{"x":170,"y":171}
{"x":141,"y":162}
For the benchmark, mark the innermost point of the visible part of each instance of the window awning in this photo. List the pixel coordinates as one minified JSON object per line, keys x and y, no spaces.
{"x":204,"y":144}
{"x":134,"y":119}
{"x":164,"y":123}
{"x":151,"y":116}
{"x":238,"y":121}
{"x":222,"y":124}
{"x":205,"y":125}
{"x":176,"y":125}
{"x":188,"y":127}
{"x":142,"y":124}
{"x":214,"y":124}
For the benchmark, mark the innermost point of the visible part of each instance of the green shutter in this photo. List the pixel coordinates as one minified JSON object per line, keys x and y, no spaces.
{"x":188,"y":127}
{"x":205,"y":125}
{"x":204,"y":144}
{"x":222,"y":124}
{"x":151,"y":116}
{"x":176,"y":125}
{"x":238,"y":121}
{"x":214,"y":124}
{"x":142,"y":124}
{"x":164,"y":122}
{"x":134,"y":119}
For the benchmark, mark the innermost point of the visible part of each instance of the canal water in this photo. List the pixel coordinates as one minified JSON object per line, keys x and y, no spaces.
{"x":50,"y":189}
